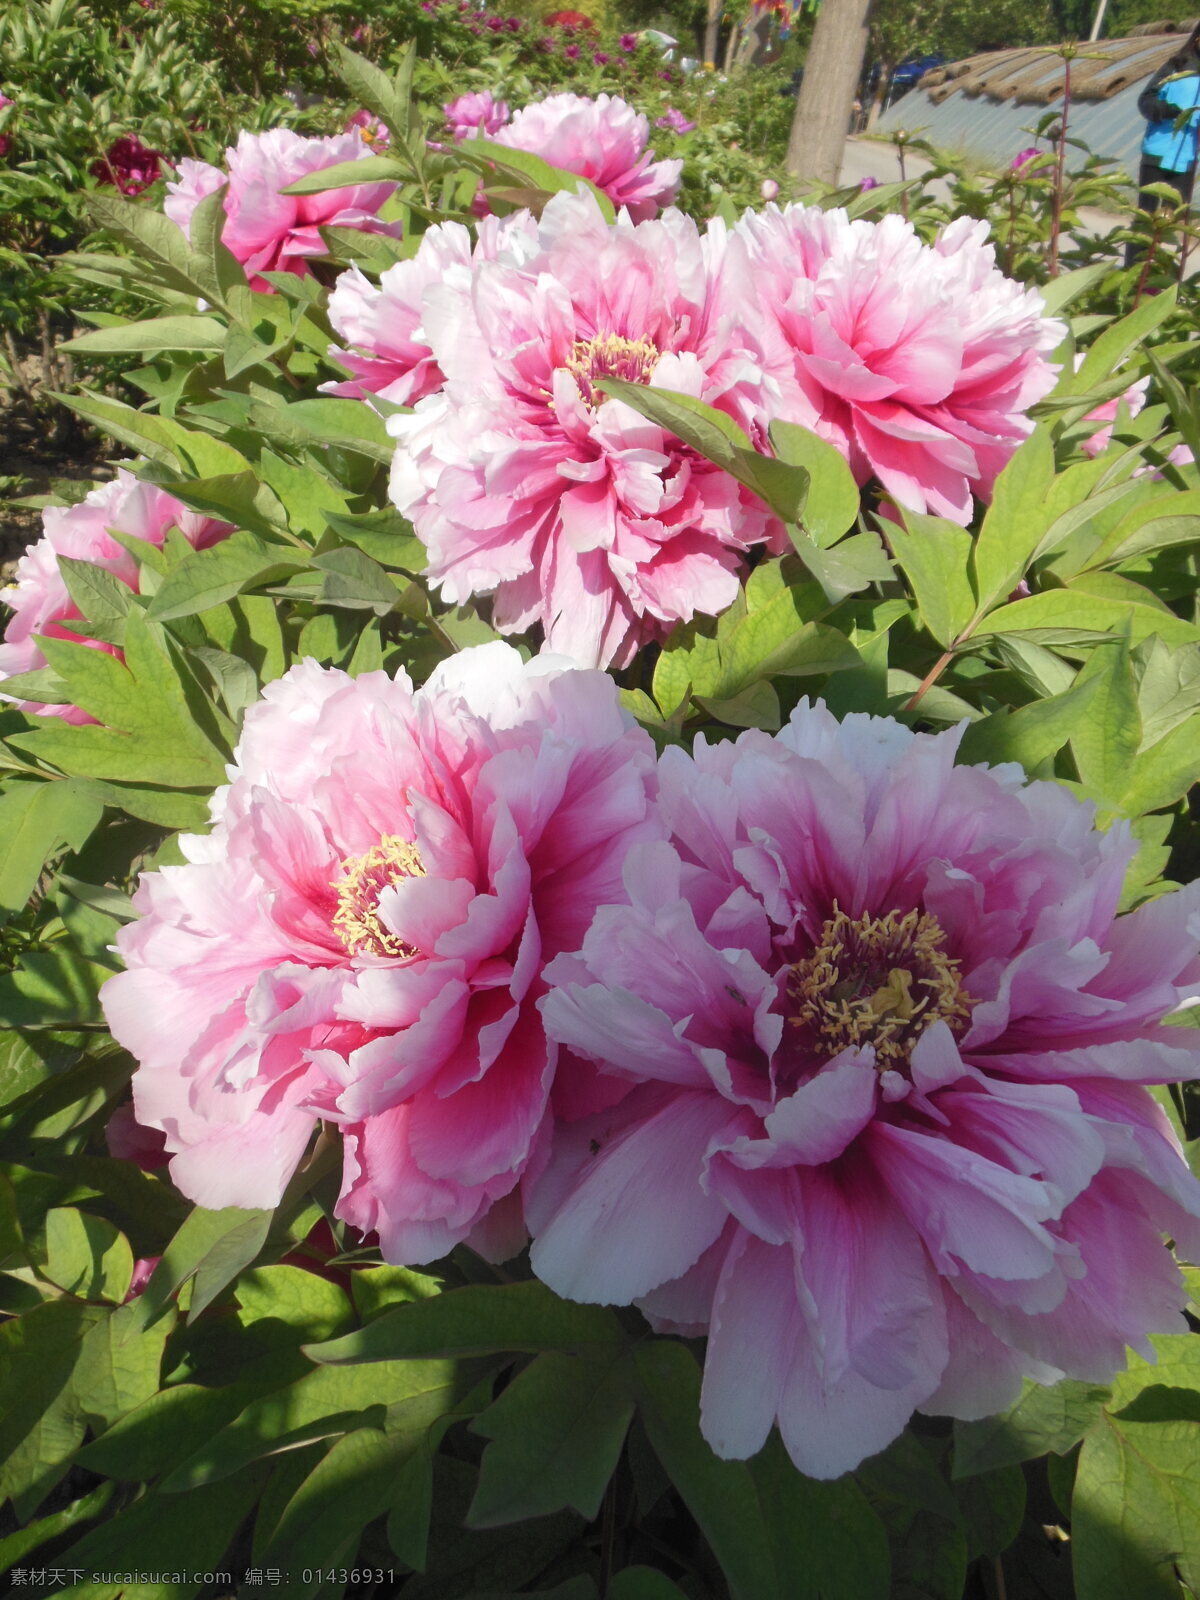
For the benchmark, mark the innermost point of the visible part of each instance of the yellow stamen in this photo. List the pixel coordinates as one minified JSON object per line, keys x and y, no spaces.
{"x":863,"y":985}
{"x":364,"y":878}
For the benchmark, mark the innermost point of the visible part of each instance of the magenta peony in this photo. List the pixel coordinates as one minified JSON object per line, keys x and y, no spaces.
{"x":918,"y":362}
{"x":128,"y":165}
{"x":1030,"y":163}
{"x":603,"y":140}
{"x":675,"y":120}
{"x":269,"y":231}
{"x":40,"y":600}
{"x":383,"y":322}
{"x":885,"y":1039}
{"x":523,"y":479}
{"x":477,"y":114}
{"x":360,"y":939}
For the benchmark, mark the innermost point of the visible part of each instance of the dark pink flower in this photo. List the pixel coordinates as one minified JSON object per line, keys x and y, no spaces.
{"x":1030,"y":162}
{"x":129,"y":164}
{"x":675,"y":120}
{"x":40,"y":600}
{"x":359,"y":939}
{"x":868,"y":183}
{"x":628,"y":42}
{"x":885,"y":1136}
{"x":571,"y":51}
{"x":476,"y":114}
{"x":602,"y":139}
{"x":919,"y":362}
{"x":524,"y":480}
{"x":267,"y":230}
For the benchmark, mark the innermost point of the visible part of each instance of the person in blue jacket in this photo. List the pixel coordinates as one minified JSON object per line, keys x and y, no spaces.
{"x":1170,"y":103}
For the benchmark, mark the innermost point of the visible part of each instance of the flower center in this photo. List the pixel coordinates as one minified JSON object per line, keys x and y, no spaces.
{"x":364,"y":878}
{"x":879,"y":981}
{"x":609,"y":355}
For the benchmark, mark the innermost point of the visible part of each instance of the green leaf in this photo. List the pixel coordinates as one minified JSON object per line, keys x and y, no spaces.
{"x":343,"y":175}
{"x":1032,"y":733}
{"x":643,"y":1583}
{"x":1068,"y":286}
{"x":37,"y":819}
{"x":158,"y":244}
{"x":776,"y":1534}
{"x":99,"y":596}
{"x":992,"y":1506}
{"x":925,"y":1529}
{"x":155,"y":335}
{"x":397,"y":1396}
{"x":846,"y":569}
{"x":1154,"y":524}
{"x":1106,"y":741}
{"x":1168,"y":688}
{"x":40,"y":1425}
{"x":188,"y":1536}
{"x":935,"y":557}
{"x":1073,"y":615}
{"x":209,"y":577}
{"x":529,"y":171}
{"x":718,"y":438}
{"x":212,"y":1247}
{"x":476,"y":1320}
{"x":120,"y":1364}
{"x":318,"y":1308}
{"x":379,"y":1289}
{"x":20,"y":1544}
{"x":1118,"y":342}
{"x":834,"y":498}
{"x":324,"y":422}
{"x":353,"y":580}
{"x":1164,"y":772}
{"x":1042,"y":1420}
{"x":86,"y":1256}
{"x":1013,"y":525}
{"x":385,"y":536}
{"x":50,"y":989}
{"x":153,"y":717}
{"x":371,"y":88}
{"x":556,"y":1433}
{"x":1135,"y":1511}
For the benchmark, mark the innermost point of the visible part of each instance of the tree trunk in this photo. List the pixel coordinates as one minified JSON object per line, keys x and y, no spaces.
{"x":826,"y":98}
{"x":712,"y":32}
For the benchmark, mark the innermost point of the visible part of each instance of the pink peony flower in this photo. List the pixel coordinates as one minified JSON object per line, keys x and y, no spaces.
{"x":603,"y":140}
{"x":522,"y":478}
{"x":1133,"y":400}
{"x":885,"y":1040}
{"x":384,"y":322}
{"x":1029,"y":162}
{"x":40,"y":601}
{"x":478,"y":114}
{"x":674,"y":120}
{"x":868,"y":183}
{"x":628,"y":42}
{"x":273,"y":232}
{"x":918,"y":362}
{"x":371,"y":128}
{"x":360,"y":939}
{"x":129,"y":165}
{"x":769,"y":189}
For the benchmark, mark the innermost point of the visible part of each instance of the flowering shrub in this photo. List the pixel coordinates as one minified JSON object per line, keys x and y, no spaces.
{"x":699,"y":1097}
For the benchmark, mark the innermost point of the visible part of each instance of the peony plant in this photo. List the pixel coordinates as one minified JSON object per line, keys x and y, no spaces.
{"x":599,"y":963}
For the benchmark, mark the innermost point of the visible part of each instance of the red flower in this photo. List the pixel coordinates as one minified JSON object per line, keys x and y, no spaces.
{"x":129,"y":165}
